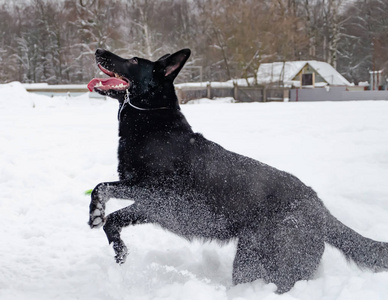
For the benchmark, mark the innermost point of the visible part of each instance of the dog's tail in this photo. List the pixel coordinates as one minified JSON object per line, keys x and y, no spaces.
{"x":365,"y":252}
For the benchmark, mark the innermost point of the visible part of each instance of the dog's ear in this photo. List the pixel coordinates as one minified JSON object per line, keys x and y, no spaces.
{"x":173,"y":63}
{"x":164,"y":56}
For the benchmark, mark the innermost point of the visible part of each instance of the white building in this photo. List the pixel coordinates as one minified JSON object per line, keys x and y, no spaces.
{"x":290,"y":74}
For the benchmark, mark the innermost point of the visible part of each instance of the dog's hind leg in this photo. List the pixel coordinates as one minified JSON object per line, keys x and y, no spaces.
{"x":130,"y":215}
{"x":248,"y":264}
{"x":283,"y":252}
{"x":296,"y":256}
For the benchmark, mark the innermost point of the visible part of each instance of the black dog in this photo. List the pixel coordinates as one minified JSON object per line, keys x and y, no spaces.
{"x":197,"y":189}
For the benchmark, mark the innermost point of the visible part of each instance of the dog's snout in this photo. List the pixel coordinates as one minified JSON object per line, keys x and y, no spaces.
{"x":100,"y":51}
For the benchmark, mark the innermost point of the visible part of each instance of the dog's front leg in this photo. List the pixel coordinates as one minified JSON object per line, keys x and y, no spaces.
{"x":100,"y":195}
{"x":130,"y":215}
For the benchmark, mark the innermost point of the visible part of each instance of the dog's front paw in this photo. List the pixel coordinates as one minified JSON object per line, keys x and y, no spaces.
{"x":121,"y":251}
{"x":96,"y":215}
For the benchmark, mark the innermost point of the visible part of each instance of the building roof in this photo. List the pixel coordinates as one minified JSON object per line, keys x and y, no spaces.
{"x":286,"y":71}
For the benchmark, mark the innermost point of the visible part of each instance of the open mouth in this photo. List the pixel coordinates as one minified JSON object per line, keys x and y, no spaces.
{"x":115,"y":82}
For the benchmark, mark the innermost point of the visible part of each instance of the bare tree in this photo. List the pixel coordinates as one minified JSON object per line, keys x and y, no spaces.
{"x":364,"y":43}
{"x":55,"y":42}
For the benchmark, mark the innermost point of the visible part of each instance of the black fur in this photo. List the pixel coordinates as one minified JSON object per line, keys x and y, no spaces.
{"x":197,"y":189}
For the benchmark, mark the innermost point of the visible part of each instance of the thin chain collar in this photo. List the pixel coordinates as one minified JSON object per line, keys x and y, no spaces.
{"x":127,"y":100}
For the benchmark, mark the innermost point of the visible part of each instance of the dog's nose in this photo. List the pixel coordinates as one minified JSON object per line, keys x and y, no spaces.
{"x":100,"y":51}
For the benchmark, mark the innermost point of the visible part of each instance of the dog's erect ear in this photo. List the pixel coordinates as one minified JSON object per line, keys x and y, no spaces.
{"x":173,"y":63}
{"x":164,"y":56}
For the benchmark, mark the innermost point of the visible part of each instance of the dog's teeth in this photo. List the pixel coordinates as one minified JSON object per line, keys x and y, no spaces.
{"x":118,"y":86}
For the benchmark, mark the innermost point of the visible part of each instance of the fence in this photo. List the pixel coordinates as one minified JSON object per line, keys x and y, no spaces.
{"x":71,"y":90}
{"x":335,"y":94}
{"x":191,"y":91}
{"x":185,"y":92}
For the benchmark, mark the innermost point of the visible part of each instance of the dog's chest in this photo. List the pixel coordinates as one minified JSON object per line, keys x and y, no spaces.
{"x":152,"y":154}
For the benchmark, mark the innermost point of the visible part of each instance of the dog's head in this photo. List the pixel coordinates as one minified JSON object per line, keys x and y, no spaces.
{"x":138,"y":78}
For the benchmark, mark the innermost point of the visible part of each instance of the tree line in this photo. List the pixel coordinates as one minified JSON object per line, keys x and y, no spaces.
{"x":55,"y":41}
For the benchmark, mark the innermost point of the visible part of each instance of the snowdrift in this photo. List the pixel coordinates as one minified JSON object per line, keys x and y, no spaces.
{"x":54,"y":149}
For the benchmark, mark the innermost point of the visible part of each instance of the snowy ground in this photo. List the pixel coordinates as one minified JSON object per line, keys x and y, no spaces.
{"x":54,"y":149}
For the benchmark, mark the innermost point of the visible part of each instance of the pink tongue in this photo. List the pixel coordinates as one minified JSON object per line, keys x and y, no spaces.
{"x":107,"y":84}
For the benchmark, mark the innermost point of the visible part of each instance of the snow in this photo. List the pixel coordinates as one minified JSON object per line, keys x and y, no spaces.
{"x":328,"y":73}
{"x":286,"y":72}
{"x":54,"y":149}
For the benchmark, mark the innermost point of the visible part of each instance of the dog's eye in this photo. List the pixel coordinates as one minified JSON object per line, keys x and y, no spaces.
{"x":134,"y":60}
